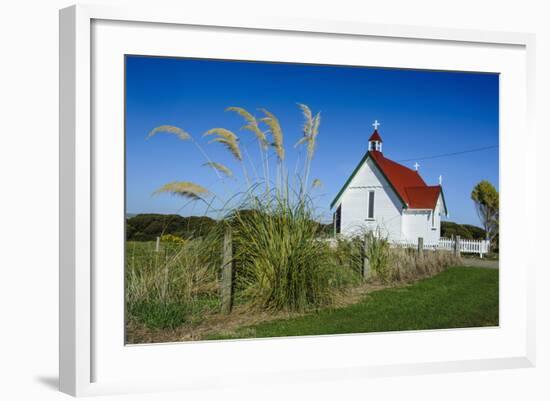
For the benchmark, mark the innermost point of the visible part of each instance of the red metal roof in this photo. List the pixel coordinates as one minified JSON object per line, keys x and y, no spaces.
{"x":407,"y":183}
{"x":376,"y":136}
{"x":423,"y":197}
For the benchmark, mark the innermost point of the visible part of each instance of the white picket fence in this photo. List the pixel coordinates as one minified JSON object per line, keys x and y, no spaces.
{"x":480,"y":247}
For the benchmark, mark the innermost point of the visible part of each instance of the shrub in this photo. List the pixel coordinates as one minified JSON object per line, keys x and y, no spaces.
{"x":172,"y":239}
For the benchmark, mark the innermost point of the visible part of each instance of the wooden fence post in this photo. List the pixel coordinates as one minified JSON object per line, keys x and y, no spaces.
{"x":227,"y":273}
{"x":366,"y":265}
{"x":457,"y":246}
{"x":420,"y":249}
{"x":157,"y":245}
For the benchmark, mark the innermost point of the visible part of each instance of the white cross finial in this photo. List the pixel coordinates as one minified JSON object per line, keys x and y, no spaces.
{"x":440,"y":179}
{"x":416,"y":165}
{"x":376,"y":124}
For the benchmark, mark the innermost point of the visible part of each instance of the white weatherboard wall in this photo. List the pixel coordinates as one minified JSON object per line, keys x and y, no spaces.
{"x":354,"y":201}
{"x":418,"y":223}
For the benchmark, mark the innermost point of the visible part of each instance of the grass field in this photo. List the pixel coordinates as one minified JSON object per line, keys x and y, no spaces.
{"x":457,"y":298}
{"x":173,"y":295}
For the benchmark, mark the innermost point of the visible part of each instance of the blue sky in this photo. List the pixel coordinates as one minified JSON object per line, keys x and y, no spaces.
{"x":422,"y":114}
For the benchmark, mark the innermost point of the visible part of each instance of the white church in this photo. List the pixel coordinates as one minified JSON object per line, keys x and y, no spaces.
{"x":384,"y":196}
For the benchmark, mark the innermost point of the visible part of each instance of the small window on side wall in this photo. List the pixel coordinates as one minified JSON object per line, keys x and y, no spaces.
{"x":338,"y":219}
{"x":370,"y":214}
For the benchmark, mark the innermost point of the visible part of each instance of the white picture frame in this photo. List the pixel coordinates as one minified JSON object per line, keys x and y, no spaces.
{"x":81,"y":213}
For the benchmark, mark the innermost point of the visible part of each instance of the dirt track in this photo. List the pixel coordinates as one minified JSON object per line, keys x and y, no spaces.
{"x":476,"y":262}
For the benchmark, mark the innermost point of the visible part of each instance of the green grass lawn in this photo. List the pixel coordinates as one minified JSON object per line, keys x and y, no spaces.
{"x":458,"y":297}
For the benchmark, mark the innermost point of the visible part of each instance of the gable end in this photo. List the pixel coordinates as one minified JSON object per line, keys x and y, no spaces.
{"x":356,"y":170}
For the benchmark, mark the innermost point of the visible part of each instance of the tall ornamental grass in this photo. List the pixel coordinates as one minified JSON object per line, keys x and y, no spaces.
{"x":377,"y":250}
{"x":279,"y":262}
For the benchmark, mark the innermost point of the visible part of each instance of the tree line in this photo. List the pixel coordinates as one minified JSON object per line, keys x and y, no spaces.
{"x":147,"y":227}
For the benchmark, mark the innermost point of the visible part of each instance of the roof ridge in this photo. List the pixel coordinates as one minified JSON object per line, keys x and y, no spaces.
{"x":399,"y":164}
{"x":424,"y":186}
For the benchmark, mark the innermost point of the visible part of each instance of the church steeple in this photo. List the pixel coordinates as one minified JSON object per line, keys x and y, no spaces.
{"x":375,"y":140}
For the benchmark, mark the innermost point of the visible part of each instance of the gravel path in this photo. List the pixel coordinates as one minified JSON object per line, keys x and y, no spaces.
{"x":490,"y":264}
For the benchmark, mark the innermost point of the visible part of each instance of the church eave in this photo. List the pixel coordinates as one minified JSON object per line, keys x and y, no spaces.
{"x":443,"y":199}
